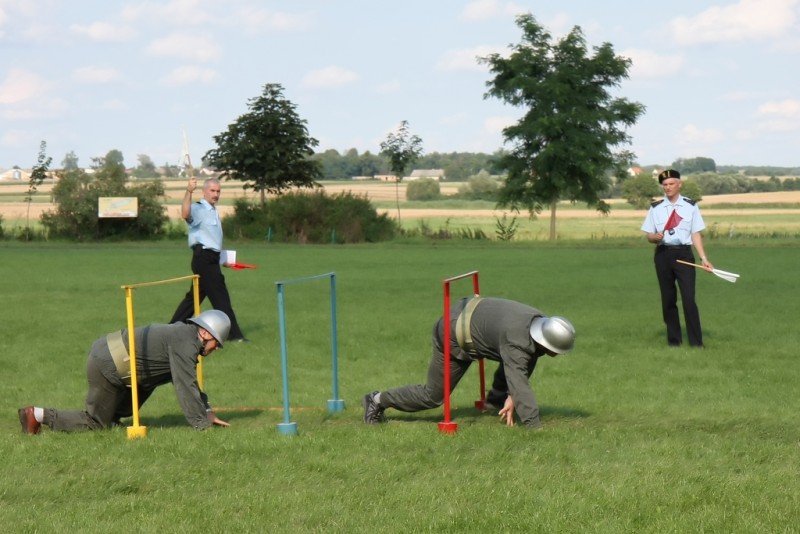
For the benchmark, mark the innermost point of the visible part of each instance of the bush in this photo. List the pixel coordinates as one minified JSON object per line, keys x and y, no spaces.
{"x":481,"y":186}
{"x":310,"y":218}
{"x":76,"y":196}
{"x":423,"y":189}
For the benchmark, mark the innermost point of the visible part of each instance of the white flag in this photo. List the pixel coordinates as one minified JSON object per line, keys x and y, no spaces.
{"x":186,"y":159}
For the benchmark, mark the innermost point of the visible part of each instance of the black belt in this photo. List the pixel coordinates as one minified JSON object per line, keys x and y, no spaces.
{"x":674,"y":247}
{"x":199,"y":248}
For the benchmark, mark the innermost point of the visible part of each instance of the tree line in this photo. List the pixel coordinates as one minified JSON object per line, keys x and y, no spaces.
{"x":569,"y":145}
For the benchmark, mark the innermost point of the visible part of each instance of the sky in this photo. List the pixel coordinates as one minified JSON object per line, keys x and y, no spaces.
{"x":719,"y":79}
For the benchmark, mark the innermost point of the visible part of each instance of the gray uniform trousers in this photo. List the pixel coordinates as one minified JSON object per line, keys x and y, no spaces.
{"x":107,"y":400}
{"x":419,"y":397}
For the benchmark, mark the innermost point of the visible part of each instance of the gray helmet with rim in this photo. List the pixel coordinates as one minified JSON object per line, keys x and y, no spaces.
{"x":553,"y":333}
{"x":215,"y":322}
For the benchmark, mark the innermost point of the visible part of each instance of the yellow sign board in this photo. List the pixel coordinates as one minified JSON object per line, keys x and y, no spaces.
{"x":110,"y":207}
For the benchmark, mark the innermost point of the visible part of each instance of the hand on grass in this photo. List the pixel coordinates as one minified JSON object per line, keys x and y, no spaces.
{"x":212,"y":417}
{"x":507,"y":413}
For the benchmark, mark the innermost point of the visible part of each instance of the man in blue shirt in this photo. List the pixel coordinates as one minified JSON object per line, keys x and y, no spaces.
{"x":674,"y":224}
{"x":205,"y":240}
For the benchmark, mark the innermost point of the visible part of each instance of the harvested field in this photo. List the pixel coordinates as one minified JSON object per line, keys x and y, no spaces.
{"x":381,"y":192}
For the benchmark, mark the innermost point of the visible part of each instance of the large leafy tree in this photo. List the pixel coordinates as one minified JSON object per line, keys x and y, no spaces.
{"x":571,"y":136}
{"x":268,"y":148}
{"x":402,"y":148}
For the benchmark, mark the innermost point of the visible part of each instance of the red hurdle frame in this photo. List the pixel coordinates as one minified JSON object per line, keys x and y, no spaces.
{"x":448,"y":426}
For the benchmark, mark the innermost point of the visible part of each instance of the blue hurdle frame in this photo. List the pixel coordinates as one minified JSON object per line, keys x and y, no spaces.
{"x":334,"y":405}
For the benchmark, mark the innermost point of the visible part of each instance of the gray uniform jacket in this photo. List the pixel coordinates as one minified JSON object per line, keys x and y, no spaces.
{"x":168,"y":353}
{"x":500,"y":330}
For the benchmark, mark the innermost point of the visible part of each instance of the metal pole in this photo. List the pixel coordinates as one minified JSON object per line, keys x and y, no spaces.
{"x":135,"y":431}
{"x":286,"y":427}
{"x":447,"y":425}
{"x":196,"y":294}
{"x":336,"y":404}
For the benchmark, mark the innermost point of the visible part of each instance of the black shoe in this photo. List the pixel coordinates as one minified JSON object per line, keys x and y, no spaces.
{"x":489,"y":406}
{"x":373,"y":413}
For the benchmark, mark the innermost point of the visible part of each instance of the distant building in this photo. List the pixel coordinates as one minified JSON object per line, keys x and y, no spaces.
{"x":15,"y":174}
{"x":386,"y":177}
{"x":435,"y":174}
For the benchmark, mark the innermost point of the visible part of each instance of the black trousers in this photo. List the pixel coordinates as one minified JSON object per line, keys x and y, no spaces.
{"x":212,"y":285}
{"x":670,"y":273}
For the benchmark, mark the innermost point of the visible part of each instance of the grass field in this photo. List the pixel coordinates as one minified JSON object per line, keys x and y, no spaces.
{"x":637,"y":437}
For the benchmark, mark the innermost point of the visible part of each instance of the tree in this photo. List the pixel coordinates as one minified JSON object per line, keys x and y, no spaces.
{"x":563,"y":148}
{"x":38,"y":175}
{"x":640,"y":190}
{"x":146,"y":167}
{"x":70,"y":161}
{"x":694,"y":165}
{"x":691,"y":189}
{"x":402,"y":149}
{"x":268,"y":148}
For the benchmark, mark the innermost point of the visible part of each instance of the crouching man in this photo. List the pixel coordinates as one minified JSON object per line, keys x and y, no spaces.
{"x":164,"y":353}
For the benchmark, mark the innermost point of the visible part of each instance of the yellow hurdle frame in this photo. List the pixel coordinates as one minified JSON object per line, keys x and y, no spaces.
{"x":136,"y":430}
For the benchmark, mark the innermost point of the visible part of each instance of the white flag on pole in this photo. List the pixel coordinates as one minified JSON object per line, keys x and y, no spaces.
{"x":186,"y":159}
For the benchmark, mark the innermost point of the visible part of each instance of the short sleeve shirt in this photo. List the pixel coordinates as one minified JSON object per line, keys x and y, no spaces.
{"x":690,"y":220}
{"x":205,"y":227}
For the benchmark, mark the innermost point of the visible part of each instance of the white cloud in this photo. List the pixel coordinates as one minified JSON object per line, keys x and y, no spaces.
{"x":177,"y":13}
{"x":697,"y":139}
{"x":257,"y":20}
{"x":189,"y":74}
{"x":647,"y":64}
{"x":465,"y":59}
{"x":186,"y":46}
{"x":44,"y":108}
{"x":479,"y":10}
{"x":21,"y":85}
{"x":779,"y":125}
{"x":786,"y":108}
{"x":96,"y":75}
{"x":781,"y":116}
{"x":104,"y":32}
{"x":496,"y":124}
{"x":747,"y":20}
{"x":329,"y":77}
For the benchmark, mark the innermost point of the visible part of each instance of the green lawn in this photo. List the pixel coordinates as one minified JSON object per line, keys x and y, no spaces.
{"x":637,"y":437}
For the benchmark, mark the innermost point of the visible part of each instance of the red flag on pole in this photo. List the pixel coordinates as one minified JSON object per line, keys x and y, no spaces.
{"x":673,"y":221}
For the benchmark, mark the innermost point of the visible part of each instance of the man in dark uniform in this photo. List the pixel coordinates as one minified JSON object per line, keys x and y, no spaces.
{"x":502,"y":330}
{"x":205,"y":240}
{"x":674,"y":224}
{"x":164,"y":353}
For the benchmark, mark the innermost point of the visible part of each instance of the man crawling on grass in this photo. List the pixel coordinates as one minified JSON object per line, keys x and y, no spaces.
{"x":502,"y":330}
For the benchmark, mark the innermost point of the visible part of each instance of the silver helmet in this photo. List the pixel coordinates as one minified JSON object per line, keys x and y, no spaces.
{"x":553,"y":333}
{"x":215,"y":322}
